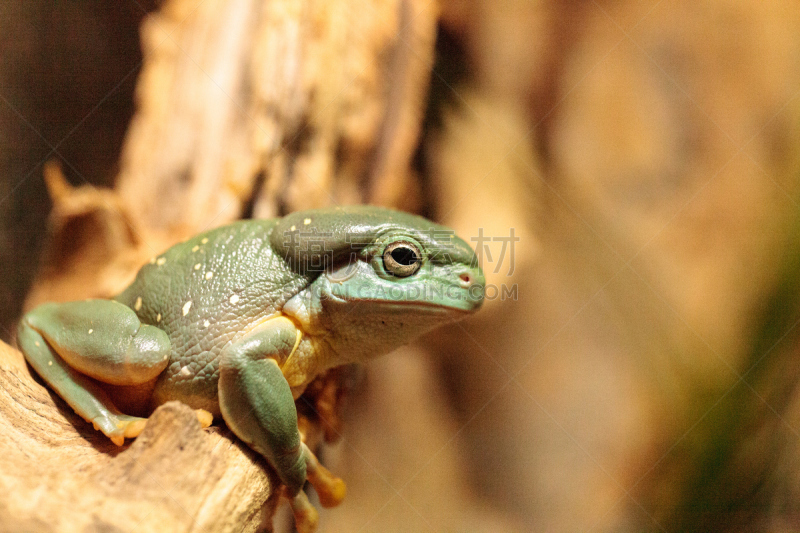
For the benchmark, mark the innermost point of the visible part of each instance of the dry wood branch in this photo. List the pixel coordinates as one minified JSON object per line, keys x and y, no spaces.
{"x":58,"y":474}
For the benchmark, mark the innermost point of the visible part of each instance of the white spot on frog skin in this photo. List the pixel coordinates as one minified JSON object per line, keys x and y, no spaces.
{"x":91,"y":331}
{"x":186,"y":307}
{"x":234,"y":298}
{"x":195,"y":247}
{"x":205,"y":240}
{"x":293,"y":228}
{"x":306,"y":221}
{"x":209,"y":275}
{"x":138,"y":304}
{"x":49,"y":363}
{"x":165,"y":358}
{"x":161,"y":260}
{"x":158,"y":318}
{"x":185,"y":371}
{"x":37,"y":343}
{"x":206,"y":324}
{"x":197,"y":266}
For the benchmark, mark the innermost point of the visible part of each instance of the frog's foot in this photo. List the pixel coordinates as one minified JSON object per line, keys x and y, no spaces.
{"x":129,"y":427}
{"x":306,"y":517}
{"x":204,"y":417}
{"x":118,"y":427}
{"x":330,"y":489}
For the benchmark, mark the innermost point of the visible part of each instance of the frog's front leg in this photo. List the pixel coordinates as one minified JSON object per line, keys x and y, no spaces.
{"x":257,"y":404}
{"x":75,"y":344}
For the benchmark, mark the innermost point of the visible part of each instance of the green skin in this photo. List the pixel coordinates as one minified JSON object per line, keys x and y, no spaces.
{"x":238,"y":320}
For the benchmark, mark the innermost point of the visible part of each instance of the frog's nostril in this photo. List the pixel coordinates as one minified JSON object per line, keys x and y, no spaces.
{"x":465,"y":278}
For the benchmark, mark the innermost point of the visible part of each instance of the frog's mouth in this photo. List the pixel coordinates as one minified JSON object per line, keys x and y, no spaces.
{"x":426,"y":307}
{"x":406,"y":298}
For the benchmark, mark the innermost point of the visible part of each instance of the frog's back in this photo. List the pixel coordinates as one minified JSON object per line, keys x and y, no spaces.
{"x":204,"y":293}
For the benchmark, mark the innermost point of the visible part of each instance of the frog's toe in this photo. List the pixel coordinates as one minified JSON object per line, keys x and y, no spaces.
{"x":330,"y":489}
{"x":131,"y":429}
{"x":204,"y":417}
{"x":306,"y":517}
{"x":119,"y":427}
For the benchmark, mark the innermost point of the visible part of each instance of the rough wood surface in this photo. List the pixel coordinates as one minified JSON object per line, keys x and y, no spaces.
{"x":58,"y":474}
{"x":274,"y":106}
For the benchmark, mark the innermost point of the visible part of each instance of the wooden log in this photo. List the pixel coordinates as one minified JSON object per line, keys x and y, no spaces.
{"x":58,"y":474}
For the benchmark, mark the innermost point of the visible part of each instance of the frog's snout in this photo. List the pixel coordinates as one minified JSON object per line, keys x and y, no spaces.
{"x":473,"y":282}
{"x":466,"y":279}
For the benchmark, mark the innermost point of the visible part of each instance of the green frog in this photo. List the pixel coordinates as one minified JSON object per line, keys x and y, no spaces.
{"x":237,"y":321}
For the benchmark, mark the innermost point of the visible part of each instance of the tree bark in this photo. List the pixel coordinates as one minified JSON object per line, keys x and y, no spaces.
{"x":273,"y":106}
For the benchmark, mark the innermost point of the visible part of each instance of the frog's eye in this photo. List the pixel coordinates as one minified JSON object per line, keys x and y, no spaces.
{"x":402,"y":258}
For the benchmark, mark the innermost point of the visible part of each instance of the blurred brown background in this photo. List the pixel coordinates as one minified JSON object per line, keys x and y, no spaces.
{"x":636,"y":368}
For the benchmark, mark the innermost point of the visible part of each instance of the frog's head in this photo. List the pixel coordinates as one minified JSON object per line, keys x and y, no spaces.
{"x":378,"y":277}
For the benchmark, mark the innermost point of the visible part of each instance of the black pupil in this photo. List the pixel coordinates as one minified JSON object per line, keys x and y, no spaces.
{"x":404,"y":256}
